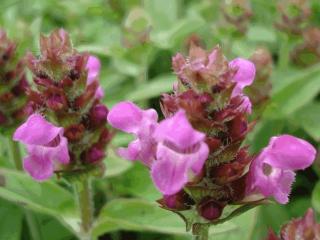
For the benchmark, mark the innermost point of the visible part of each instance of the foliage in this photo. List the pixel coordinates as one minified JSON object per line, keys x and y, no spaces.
{"x":135,"y":41}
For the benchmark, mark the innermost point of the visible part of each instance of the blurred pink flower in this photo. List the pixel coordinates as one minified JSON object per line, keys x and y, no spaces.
{"x":244,"y":76}
{"x":129,"y":118}
{"x":45,"y":145}
{"x":93,"y":66}
{"x":272,"y":171}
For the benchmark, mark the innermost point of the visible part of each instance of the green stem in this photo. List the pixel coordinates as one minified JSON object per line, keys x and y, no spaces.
{"x":200,"y":231}
{"x":284,"y":51}
{"x":30,"y":218}
{"x":15,"y":154}
{"x":85,"y":204}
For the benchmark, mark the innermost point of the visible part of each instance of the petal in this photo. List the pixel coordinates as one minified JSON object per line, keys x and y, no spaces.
{"x":281,"y":194}
{"x":178,"y":63}
{"x":199,"y":158}
{"x":290,"y":152}
{"x":178,"y":130}
{"x":99,"y":94}
{"x":36,"y":130}
{"x":93,"y":66}
{"x":58,"y":153}
{"x":129,"y":118}
{"x":132,"y":152}
{"x":38,"y":167}
{"x":268,"y":180}
{"x":244,"y":76}
{"x":170,"y":171}
{"x":246,"y":105}
{"x":61,"y":152}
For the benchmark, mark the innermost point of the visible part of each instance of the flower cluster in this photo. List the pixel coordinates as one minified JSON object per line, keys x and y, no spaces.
{"x":301,"y":228}
{"x":294,"y":16}
{"x":238,"y":14}
{"x":196,"y":155}
{"x":296,"y":19}
{"x":14,"y":106}
{"x":68,"y":125}
{"x":307,"y":53}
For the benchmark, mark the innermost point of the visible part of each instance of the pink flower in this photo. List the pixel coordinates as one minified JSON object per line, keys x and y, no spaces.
{"x":45,"y":144}
{"x":181,"y":153}
{"x":244,"y":76}
{"x":272,"y":171}
{"x":129,"y":118}
{"x":93,"y":66}
{"x":173,"y":150}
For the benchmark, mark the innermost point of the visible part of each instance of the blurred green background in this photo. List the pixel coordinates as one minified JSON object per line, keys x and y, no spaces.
{"x":135,"y":41}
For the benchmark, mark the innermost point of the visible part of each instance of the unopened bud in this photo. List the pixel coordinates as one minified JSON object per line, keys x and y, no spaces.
{"x":210,"y":209}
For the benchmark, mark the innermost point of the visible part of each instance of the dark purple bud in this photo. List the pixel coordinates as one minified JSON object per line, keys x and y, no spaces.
{"x":98,"y":114}
{"x":3,"y":118}
{"x":94,"y":155}
{"x":178,"y":201}
{"x":210,"y":209}
{"x":238,"y":127}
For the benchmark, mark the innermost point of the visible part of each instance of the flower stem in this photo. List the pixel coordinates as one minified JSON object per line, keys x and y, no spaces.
{"x":84,"y":194}
{"x":15,"y":153}
{"x":200,"y":231}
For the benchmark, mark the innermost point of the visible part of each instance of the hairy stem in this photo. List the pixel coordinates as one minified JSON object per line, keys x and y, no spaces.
{"x":84,"y":197}
{"x":15,"y":153}
{"x":200,"y":231}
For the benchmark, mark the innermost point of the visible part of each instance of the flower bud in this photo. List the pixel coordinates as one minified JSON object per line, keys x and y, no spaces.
{"x":94,"y":155}
{"x":74,"y":132}
{"x":56,"y":101}
{"x":13,"y":84}
{"x":98,"y":114}
{"x":178,"y":201}
{"x":210,"y":209}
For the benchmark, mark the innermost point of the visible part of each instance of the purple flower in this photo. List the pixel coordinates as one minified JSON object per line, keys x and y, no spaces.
{"x":93,"y":66}
{"x":45,"y":144}
{"x":172,"y":149}
{"x":244,"y":76}
{"x":129,"y":118}
{"x":181,"y":153}
{"x":272,"y":171}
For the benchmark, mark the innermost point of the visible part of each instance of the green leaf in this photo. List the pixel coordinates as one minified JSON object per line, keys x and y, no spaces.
{"x":262,"y":133}
{"x":153,"y":88}
{"x":51,"y":229}
{"x":309,"y":118}
{"x":259,"y":33}
{"x":46,"y":197}
{"x":115,"y":165}
{"x":302,"y":88}
{"x":141,"y":215}
{"x":163,"y":13}
{"x":136,"y":182}
{"x":245,"y":226}
{"x":175,"y":34}
{"x":11,"y":221}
